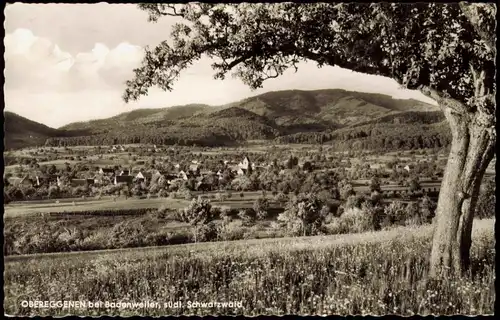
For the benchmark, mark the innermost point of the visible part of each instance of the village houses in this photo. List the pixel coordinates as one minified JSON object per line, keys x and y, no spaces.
{"x":245,"y":167}
{"x":123,"y":179}
{"x":106,"y":171}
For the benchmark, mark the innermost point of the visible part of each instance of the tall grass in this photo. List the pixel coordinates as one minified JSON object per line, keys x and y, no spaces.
{"x":374,"y":273}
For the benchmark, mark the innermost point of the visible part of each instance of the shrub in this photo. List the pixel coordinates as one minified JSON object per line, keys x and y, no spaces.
{"x":187,"y":195}
{"x":413,"y":216}
{"x":261,"y":207}
{"x":216,"y":212}
{"x":333,"y":208}
{"x":207,"y":232}
{"x":375,"y":185}
{"x":353,"y":220}
{"x":275,"y":225}
{"x":376,"y":197}
{"x":281,"y":197}
{"x":199,"y":212}
{"x":334,"y":226}
{"x":375,"y":212}
{"x":326,"y":195}
{"x":220,"y":196}
{"x":354,"y":201}
{"x":247,"y":216}
{"x":357,"y":220}
{"x":303,"y":215}
{"x":161,"y":213}
{"x":231,"y":231}
{"x":178,"y":237}
{"x":173,"y":195}
{"x":162,"y":193}
{"x":225,"y":211}
{"x":395,"y":213}
{"x":414,"y":184}
{"x":346,"y":189}
{"x":428,"y":209}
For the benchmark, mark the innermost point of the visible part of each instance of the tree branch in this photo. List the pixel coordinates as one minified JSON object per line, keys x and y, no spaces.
{"x":175,"y":13}
{"x":443,"y":101}
{"x":478,"y":81}
{"x":473,"y":17}
{"x":157,"y":10}
{"x":237,"y":61}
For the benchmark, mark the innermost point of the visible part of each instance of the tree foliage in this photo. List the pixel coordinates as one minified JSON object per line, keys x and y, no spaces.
{"x":375,"y":184}
{"x":198,"y":212}
{"x":261,"y":207}
{"x":304,"y":214}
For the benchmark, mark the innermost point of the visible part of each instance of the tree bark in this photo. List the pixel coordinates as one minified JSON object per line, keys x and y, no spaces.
{"x":472,"y":149}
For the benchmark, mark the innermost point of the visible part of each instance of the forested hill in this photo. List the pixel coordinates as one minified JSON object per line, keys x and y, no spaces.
{"x":327,"y":116}
{"x":20,"y":132}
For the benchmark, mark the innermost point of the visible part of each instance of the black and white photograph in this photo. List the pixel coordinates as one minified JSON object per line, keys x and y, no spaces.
{"x":198,"y":159}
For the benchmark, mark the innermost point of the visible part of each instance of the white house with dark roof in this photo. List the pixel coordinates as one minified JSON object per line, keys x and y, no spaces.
{"x":106,"y":171}
{"x":409,"y":167}
{"x":183,"y":175}
{"x":124,"y":172}
{"x":245,"y":164}
{"x":143,"y":176}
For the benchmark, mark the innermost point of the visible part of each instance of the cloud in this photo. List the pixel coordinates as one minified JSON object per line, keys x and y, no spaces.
{"x":48,"y":84}
{"x":36,"y":64}
{"x":30,"y":61}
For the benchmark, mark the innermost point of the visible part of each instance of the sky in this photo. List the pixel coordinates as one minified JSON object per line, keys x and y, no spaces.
{"x":69,"y":62}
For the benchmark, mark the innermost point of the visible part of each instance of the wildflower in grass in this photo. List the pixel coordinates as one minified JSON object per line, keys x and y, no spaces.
{"x":281,"y":277}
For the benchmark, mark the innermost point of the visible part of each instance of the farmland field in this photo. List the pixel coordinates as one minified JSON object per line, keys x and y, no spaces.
{"x":371,"y":273}
{"x":106,"y":204}
{"x":91,"y":205}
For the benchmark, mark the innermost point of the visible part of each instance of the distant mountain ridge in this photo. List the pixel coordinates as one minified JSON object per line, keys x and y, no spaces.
{"x":262,"y":117}
{"x":21,"y":132}
{"x":338,"y":107}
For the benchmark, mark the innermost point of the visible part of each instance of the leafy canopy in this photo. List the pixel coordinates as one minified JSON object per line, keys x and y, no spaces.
{"x":445,"y":49}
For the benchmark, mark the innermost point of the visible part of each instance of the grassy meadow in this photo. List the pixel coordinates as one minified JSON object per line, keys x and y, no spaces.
{"x":376,"y":273}
{"x":107,"y":204}
{"x":125,"y":228}
{"x":16,"y":209}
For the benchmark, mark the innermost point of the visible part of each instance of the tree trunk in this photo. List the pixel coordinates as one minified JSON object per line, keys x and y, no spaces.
{"x":472,"y":149}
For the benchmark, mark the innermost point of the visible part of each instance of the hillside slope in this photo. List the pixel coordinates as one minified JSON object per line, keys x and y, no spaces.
{"x":21,"y":132}
{"x":282,"y":115}
{"x":322,"y":109}
{"x":138,"y":117}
